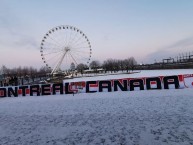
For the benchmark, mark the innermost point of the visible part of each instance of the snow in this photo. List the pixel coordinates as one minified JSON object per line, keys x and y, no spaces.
{"x":156,"y":117}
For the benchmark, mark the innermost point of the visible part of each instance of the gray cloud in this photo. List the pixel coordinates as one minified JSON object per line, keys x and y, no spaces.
{"x":26,"y":41}
{"x":14,"y":31}
{"x":172,"y":50}
{"x":187,"y":42}
{"x":18,"y":40}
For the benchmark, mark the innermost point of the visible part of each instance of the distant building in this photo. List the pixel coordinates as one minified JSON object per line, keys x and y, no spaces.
{"x":99,"y":70}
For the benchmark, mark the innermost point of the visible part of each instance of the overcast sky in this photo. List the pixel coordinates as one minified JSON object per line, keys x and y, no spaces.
{"x":148,"y":30}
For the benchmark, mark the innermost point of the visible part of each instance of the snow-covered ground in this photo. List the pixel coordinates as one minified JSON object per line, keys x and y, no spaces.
{"x":135,"y":74}
{"x":111,"y":118}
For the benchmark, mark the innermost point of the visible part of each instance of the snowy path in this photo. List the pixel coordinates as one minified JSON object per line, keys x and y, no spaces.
{"x":118,"y":118}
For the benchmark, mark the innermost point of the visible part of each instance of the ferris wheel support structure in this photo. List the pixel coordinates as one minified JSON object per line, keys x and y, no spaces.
{"x":57,"y":67}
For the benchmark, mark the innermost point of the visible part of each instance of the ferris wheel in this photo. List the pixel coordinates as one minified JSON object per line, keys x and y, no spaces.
{"x":63,"y":47}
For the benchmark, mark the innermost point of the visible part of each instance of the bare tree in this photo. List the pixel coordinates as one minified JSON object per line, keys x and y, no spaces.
{"x":129,"y":63}
{"x":32,"y":73}
{"x":94,"y":65}
{"x":5,"y":71}
{"x":43,"y":72}
{"x":133,"y":63}
{"x":19,"y":71}
{"x":81,"y":67}
{"x":25,"y":71}
{"x":121,"y":65}
{"x":116,"y":65}
{"x":108,"y":65}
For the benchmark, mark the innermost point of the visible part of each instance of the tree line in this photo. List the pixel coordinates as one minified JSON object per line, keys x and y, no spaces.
{"x":20,"y":75}
{"x":110,"y":65}
{"x":24,"y":71}
{"x":26,"y":74}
